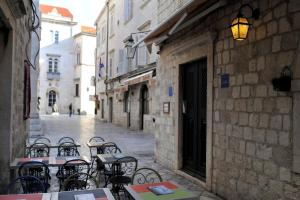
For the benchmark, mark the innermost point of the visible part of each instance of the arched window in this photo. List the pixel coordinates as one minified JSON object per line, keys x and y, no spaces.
{"x":56,"y":37}
{"x":126,"y":102}
{"x":145,"y":100}
{"x":51,"y":98}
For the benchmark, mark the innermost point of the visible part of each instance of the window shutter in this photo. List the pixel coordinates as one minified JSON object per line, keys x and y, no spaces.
{"x":125,"y":63}
{"x":129,"y":9}
{"x":121,"y":62}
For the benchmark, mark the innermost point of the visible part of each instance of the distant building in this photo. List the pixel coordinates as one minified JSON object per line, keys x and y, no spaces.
{"x":126,"y":86}
{"x":84,"y":76}
{"x":15,"y":48}
{"x":66,"y":63}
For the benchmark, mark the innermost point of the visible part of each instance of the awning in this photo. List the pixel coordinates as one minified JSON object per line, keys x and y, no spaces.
{"x":122,"y":88}
{"x":139,"y":78}
{"x":181,"y":19}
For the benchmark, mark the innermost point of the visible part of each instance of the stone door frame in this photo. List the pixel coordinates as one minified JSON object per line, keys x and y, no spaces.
{"x":191,"y":50}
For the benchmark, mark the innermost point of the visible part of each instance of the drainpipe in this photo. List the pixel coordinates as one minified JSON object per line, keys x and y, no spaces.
{"x":107,"y":27}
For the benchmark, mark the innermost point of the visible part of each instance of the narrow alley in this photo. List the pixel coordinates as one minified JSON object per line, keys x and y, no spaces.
{"x":134,"y":143}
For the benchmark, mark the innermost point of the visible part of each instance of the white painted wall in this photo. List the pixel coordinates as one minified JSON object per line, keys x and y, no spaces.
{"x":64,"y":86}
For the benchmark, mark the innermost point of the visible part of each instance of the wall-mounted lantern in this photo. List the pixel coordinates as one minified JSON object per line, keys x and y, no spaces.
{"x":240,"y":25}
{"x":130,"y":51}
{"x":283,"y":83}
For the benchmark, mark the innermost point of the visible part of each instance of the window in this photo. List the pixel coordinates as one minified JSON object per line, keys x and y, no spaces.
{"x":56,"y":37}
{"x":93,"y":81}
{"x":111,"y":64}
{"x":78,"y":58}
{"x":55,"y":65}
{"x":50,"y":65}
{"x":126,"y":102}
{"x":51,"y":36}
{"x":103,"y":33}
{"x":111,"y":26}
{"x":51,"y":98}
{"x":127,"y":10}
{"x":76,"y":90}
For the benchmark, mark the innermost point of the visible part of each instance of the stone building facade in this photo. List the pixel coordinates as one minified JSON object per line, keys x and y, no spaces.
{"x":57,"y":59}
{"x":14,"y":36}
{"x":251,"y":131}
{"x":84,"y":76}
{"x":126,"y":86}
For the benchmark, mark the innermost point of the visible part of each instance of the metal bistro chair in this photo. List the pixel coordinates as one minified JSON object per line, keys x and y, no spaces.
{"x":67,"y":149}
{"x":38,"y":150}
{"x":95,"y":150}
{"x":66,"y":139}
{"x":106,"y":148}
{"x":145,"y":175}
{"x":44,"y":140}
{"x":80,"y":181}
{"x":37,"y":169}
{"x":26,"y":185}
{"x":70,"y":168}
{"x":122,"y":170}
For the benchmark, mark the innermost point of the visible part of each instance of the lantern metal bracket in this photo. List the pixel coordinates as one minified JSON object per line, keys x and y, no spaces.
{"x":255,"y":13}
{"x":129,"y":40}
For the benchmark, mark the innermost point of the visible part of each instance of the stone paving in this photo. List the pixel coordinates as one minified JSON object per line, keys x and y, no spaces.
{"x":135,"y":143}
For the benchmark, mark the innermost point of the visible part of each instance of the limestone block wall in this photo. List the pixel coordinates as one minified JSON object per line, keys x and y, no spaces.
{"x":13,"y":54}
{"x":253,"y":139}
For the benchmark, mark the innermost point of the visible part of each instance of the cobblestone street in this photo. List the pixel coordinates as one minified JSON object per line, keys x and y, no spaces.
{"x":137,"y":144}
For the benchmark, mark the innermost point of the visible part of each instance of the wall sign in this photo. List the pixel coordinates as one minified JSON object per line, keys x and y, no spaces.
{"x":166,"y":107}
{"x":225,"y":81}
{"x":170,"y":91}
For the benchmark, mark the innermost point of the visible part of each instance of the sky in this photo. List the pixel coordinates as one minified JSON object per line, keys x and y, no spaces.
{"x":85,"y":12}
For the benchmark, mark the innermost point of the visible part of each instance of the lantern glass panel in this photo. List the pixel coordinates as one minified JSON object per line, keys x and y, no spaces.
{"x":239,"y":28}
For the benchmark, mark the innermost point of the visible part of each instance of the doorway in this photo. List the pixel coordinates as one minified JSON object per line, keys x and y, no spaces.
{"x":194,"y":107}
{"x":144,"y":104}
{"x":110,"y":118}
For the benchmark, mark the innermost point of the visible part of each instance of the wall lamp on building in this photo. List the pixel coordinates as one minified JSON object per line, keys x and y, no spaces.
{"x":131,"y":46}
{"x":240,"y":25}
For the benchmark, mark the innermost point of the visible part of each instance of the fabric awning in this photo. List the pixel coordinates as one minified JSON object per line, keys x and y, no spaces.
{"x":139,"y":78}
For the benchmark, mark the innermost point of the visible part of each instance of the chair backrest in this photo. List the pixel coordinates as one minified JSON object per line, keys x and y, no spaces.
{"x":26,"y":185}
{"x":67,"y":149}
{"x":73,"y":167}
{"x":80,"y":181}
{"x":66,"y":139}
{"x":109,"y":148}
{"x":37,"y":169}
{"x":145,"y":175}
{"x":44,"y":140}
{"x":125,"y":166}
{"x":38,"y":150}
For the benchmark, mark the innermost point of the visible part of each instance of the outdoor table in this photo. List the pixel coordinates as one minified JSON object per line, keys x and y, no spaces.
{"x":51,"y":161}
{"x":99,"y":194}
{"x":44,"y":196}
{"x":94,"y":144}
{"x":141,"y":192}
{"x":109,"y":158}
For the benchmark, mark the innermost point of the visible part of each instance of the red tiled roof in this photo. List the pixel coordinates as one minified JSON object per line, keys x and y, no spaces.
{"x":87,"y":29}
{"x":62,"y":11}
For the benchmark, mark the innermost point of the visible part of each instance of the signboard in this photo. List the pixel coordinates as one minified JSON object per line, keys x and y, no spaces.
{"x":166,"y":107}
{"x":225,"y":81}
{"x":170,"y":91}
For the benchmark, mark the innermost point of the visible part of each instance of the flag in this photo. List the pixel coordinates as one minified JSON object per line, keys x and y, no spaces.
{"x":101,"y":65}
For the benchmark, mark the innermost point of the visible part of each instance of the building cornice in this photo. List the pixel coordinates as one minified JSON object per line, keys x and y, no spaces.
{"x":54,"y":21}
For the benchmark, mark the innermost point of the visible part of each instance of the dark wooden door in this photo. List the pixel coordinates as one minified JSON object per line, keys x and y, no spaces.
{"x":194,"y":80}
{"x":110,"y":109}
{"x":144,"y":104}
